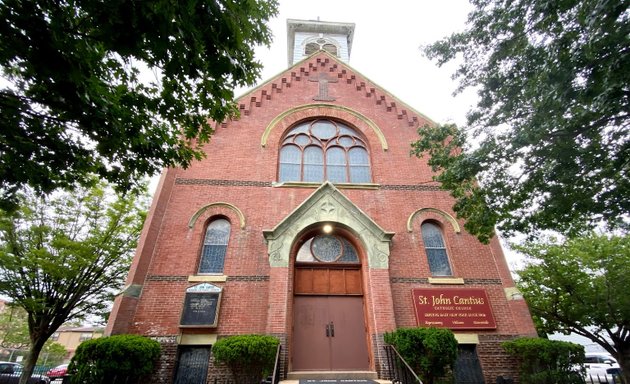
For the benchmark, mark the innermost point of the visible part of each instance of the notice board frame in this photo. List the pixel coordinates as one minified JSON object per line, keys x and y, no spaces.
{"x":201,"y":307}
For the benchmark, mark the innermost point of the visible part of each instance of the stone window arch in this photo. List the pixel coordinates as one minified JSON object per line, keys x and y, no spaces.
{"x":215,"y":244}
{"x":323,"y":149}
{"x":435,"y":249}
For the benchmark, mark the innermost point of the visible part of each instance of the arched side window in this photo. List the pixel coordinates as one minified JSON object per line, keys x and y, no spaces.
{"x":435,"y":249}
{"x":215,"y":246}
{"x":311,"y":48}
{"x":330,"y":48}
{"x":318,"y":150}
{"x":321,"y":44}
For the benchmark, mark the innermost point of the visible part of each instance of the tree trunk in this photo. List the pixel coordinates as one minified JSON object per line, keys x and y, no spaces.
{"x":31,"y":360}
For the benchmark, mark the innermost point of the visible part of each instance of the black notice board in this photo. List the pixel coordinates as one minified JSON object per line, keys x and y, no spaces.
{"x":201,"y":309}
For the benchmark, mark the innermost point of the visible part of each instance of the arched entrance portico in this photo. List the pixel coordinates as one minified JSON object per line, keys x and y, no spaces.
{"x":313,"y":299}
{"x":329,"y":330}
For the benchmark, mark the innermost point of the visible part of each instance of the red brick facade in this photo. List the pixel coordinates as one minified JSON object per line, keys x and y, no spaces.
{"x":238,"y":181}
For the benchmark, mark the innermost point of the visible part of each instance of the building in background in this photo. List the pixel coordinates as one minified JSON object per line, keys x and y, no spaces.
{"x":310,"y":221}
{"x":71,"y":337}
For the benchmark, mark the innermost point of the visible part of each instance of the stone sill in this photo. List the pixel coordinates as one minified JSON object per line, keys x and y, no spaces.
{"x":207,"y":278}
{"x":302,"y":184}
{"x":446,"y":280}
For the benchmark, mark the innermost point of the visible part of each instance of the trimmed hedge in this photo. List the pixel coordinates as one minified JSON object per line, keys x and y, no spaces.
{"x":114,"y":359}
{"x":543,"y":361}
{"x":430,"y":352}
{"x":249,"y":357}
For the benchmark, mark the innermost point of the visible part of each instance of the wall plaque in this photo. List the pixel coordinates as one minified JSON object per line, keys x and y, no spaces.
{"x":453,"y":308}
{"x":201,"y":306}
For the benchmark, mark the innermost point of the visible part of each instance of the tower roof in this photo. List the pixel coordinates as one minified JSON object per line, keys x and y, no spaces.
{"x":303,"y":35}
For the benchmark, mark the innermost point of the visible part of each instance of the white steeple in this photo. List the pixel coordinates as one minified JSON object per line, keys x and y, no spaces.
{"x":305,"y":37}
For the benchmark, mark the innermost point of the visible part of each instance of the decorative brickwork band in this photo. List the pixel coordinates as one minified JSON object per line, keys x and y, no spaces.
{"x":412,"y":187}
{"x":223,"y":183}
{"x":229,"y":278}
{"x":248,"y":278}
{"x":252,"y":183}
{"x":424,"y":280}
{"x":167,"y":278}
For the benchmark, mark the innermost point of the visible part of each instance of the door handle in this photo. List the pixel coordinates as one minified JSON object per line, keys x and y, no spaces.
{"x":332,"y":329}
{"x":327,"y":330}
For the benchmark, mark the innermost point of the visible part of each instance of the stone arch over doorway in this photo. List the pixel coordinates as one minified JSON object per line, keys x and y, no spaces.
{"x":328,"y":205}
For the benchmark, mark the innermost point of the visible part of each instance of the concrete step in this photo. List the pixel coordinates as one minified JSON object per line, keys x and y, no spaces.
{"x":339,"y":382}
{"x":340,"y":377}
{"x":332,"y":375}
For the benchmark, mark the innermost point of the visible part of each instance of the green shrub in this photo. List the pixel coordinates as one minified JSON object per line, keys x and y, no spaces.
{"x":543,"y":361}
{"x":114,"y":359}
{"x":430,"y":352}
{"x":249,"y":357}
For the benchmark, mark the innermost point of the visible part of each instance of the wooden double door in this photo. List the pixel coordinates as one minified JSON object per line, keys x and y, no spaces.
{"x":329,"y":332}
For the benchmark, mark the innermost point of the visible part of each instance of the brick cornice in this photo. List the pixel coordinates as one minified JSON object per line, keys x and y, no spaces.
{"x":324,"y":62}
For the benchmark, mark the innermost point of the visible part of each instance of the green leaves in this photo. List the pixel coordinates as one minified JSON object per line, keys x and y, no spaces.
{"x":108,"y":359}
{"x":62,"y":257}
{"x":549,"y":142}
{"x":250,"y":357}
{"x":580,"y":286}
{"x":579,"y":283}
{"x":544,"y":361}
{"x":429,"y":351}
{"x":120,"y":89}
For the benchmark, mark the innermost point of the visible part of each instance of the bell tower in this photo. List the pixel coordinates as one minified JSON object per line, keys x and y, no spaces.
{"x":305,"y":37}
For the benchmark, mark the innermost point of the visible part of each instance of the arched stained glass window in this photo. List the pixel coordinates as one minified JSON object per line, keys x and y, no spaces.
{"x":318,"y":150}
{"x":435,"y":249}
{"x":215,"y":246}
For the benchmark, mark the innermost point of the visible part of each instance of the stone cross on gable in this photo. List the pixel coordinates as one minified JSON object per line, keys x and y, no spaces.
{"x":323,"y":81}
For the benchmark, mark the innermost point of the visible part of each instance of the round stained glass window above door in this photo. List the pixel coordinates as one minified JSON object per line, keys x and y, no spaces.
{"x":327,"y":249}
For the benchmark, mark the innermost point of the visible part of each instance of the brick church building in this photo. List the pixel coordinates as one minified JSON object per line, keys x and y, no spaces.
{"x":310,"y":221}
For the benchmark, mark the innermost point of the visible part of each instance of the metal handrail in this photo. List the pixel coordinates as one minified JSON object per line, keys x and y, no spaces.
{"x":399,"y":371}
{"x":276,"y":367}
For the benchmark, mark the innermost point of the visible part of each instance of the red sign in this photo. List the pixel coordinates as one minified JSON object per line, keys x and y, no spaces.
{"x":453,"y":308}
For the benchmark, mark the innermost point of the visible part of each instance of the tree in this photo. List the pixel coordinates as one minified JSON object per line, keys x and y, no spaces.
{"x":550,"y":139}
{"x":544,"y":361}
{"x":13,"y":328}
{"x":581,"y":286}
{"x":62,"y":257}
{"x":14,"y":335}
{"x":80,"y":101}
{"x":53,"y":354}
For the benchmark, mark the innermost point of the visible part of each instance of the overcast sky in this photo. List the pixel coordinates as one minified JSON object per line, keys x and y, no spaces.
{"x":385,"y":48}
